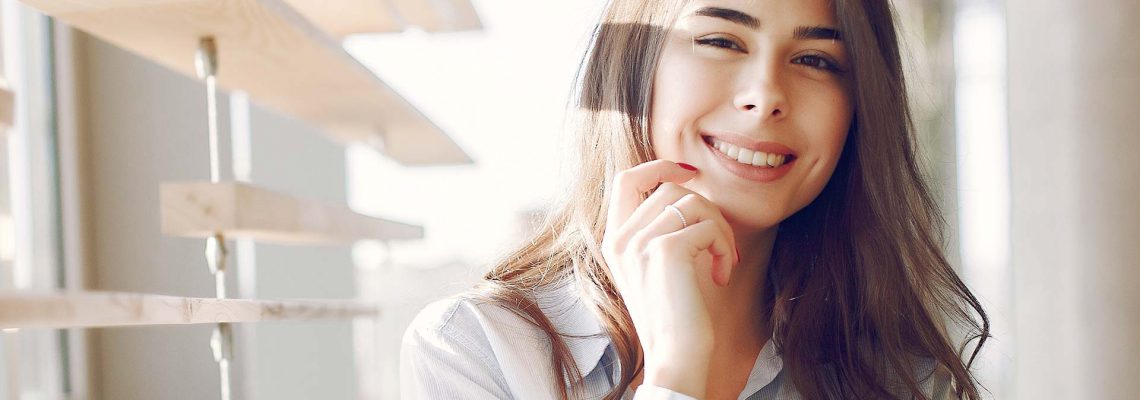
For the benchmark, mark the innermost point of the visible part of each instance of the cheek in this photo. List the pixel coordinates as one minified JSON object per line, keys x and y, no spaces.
{"x":685,"y":90}
{"x":674,"y":104}
{"x":685,"y":87}
{"x":826,"y":124}
{"x":828,"y":119}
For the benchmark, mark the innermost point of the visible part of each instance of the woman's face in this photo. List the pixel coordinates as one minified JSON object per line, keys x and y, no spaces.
{"x":760,"y":75}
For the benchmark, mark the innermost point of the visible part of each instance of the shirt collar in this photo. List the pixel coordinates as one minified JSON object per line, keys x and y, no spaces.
{"x":565,"y":306}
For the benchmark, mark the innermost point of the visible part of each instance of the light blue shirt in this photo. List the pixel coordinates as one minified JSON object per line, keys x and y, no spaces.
{"x":460,"y":348}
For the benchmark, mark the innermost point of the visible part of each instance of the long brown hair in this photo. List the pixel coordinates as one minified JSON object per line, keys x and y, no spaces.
{"x":859,"y":290}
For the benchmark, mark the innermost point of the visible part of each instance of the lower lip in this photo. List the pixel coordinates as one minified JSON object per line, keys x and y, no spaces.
{"x":750,"y":172}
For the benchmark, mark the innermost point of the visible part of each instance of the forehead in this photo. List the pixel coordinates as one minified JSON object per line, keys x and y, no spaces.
{"x":772,"y":12}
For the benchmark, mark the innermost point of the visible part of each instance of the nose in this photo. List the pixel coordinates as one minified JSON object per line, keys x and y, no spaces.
{"x":763,"y":97}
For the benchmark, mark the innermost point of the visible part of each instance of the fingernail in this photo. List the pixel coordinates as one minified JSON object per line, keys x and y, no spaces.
{"x":737,"y":255}
{"x":687,"y":166}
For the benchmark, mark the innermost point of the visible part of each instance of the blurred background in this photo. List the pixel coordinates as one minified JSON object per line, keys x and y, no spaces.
{"x":1025,"y":111}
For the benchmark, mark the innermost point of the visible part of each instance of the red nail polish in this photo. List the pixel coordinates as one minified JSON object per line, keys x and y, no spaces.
{"x":687,"y":166}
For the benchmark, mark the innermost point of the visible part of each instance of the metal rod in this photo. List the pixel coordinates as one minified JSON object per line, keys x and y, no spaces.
{"x":216,"y":254}
{"x":221,"y":342}
{"x":222,"y":345}
{"x":206,"y":61}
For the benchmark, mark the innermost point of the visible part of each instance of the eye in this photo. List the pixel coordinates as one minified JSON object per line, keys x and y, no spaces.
{"x":723,"y":43}
{"x":819,"y":62}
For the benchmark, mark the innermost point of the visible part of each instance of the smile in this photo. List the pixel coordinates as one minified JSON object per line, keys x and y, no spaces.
{"x":749,"y":164}
{"x":749,"y":157}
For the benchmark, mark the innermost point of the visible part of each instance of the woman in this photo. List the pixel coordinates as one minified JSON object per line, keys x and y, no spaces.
{"x":748,"y":222}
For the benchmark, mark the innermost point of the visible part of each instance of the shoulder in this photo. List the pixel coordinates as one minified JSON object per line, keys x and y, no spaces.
{"x":462,"y":342}
{"x":936,"y":380}
{"x":435,"y":321}
{"x":449,"y":350}
{"x":933,"y":379}
{"x":466,"y":318}
{"x":436,"y":317}
{"x":470,"y":316}
{"x":458,"y":323}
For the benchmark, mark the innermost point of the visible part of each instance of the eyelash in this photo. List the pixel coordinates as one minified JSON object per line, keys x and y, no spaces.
{"x":722,"y":43}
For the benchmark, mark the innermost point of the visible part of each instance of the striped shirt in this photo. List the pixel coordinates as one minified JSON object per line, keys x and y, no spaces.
{"x":461,"y":348}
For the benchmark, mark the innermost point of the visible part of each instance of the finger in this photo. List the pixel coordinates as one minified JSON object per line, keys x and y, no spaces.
{"x":692,"y":206}
{"x":630,"y":185}
{"x":700,"y":237}
{"x":697,"y":208}
{"x":696,"y":212}
{"x":668,"y":193}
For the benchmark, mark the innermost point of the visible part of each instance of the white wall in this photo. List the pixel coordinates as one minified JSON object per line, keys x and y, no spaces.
{"x":1073,"y":89}
{"x":301,"y":360}
{"x":145,"y":125}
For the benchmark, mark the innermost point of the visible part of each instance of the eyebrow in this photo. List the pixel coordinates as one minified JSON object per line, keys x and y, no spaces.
{"x":800,"y":33}
{"x":816,"y":32}
{"x":729,"y":15}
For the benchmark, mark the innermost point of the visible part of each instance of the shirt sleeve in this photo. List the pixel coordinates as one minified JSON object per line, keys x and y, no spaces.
{"x":940,"y":384}
{"x":440,"y":362}
{"x":650,"y":392}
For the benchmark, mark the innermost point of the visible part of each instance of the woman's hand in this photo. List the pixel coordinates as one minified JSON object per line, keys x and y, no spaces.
{"x":654,"y":261}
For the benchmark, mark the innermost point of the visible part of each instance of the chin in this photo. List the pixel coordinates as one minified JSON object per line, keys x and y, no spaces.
{"x":755,"y":224}
{"x":753,"y":218}
{"x":743,"y":213}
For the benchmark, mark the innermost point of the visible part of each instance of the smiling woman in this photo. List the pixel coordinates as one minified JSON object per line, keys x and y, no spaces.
{"x":748,"y":221}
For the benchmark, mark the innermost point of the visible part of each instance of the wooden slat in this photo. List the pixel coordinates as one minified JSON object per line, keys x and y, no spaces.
{"x":199,"y":209}
{"x":440,"y":15}
{"x":346,"y":17}
{"x":276,"y":55}
{"x":106,"y":309}
{"x":7,"y":108}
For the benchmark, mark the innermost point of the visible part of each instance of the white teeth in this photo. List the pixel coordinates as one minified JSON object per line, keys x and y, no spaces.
{"x":759,"y":159}
{"x":731,"y":150}
{"x":746,"y":156}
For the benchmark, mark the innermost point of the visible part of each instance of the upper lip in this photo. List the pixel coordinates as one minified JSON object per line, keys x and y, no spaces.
{"x":754,"y":145}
